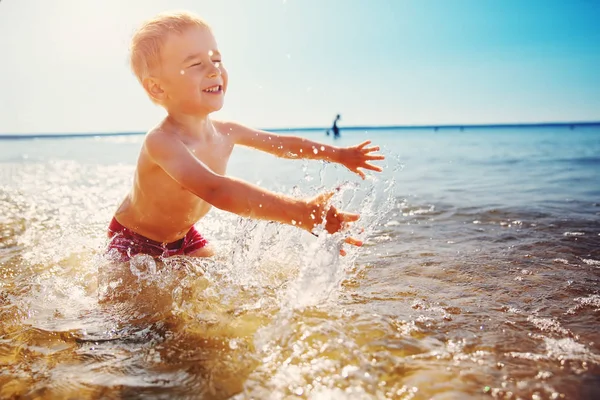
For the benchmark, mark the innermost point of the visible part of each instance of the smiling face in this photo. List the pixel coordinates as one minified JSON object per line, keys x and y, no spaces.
{"x":191,"y":78}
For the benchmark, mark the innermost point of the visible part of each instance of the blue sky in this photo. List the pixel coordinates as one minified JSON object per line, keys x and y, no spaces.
{"x":296,"y":63}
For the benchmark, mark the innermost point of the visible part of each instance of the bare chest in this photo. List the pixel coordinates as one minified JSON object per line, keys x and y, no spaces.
{"x":214,"y":153}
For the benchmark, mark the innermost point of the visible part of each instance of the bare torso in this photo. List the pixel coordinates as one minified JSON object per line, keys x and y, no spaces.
{"x":158,"y":207}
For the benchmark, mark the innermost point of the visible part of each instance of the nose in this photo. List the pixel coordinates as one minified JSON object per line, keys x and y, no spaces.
{"x":215,"y":71}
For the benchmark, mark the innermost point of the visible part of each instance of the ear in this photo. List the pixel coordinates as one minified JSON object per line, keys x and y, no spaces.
{"x":154,"y":89}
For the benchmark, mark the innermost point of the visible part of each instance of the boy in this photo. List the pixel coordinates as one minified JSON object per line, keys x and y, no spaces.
{"x":181,"y":168}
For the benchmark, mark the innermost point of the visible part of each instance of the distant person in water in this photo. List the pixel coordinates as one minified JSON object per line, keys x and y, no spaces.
{"x":334,"y":128}
{"x":180,"y":172}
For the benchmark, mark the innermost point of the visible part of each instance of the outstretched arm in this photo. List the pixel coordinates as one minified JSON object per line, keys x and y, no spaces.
{"x":287,"y":146}
{"x":240,"y":197}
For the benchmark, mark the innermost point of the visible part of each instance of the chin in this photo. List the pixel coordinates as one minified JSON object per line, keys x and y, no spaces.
{"x":214,"y":107}
{"x":205,"y":109}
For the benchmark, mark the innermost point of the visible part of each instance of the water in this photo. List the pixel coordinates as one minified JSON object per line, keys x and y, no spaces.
{"x":479,"y":277}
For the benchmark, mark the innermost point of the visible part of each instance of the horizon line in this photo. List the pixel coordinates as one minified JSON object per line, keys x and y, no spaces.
{"x":436,"y":127}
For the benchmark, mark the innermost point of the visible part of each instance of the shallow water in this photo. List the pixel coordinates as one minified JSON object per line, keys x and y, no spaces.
{"x":479,"y":277}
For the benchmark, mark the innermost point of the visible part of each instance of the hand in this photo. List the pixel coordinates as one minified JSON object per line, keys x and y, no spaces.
{"x":335,"y":220}
{"x":355,"y":157}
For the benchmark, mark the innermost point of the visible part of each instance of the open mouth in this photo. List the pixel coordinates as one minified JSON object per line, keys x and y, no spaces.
{"x":214,"y":89}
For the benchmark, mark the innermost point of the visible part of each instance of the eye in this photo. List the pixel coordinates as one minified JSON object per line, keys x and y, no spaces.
{"x":195,"y":65}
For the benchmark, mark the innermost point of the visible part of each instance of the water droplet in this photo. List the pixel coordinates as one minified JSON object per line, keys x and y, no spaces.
{"x":322,"y":148}
{"x":182,"y":72}
{"x":293,"y":222}
{"x":315,"y":151}
{"x":210,"y":53}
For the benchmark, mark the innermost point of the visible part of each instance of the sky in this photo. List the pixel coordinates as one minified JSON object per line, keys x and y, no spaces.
{"x":297,"y":63}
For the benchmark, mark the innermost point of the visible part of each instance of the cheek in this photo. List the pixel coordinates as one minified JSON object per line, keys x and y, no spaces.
{"x":225,"y":77}
{"x":189,"y":83}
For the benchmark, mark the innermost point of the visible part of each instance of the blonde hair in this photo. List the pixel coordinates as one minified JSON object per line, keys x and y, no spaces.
{"x":149,"y":38}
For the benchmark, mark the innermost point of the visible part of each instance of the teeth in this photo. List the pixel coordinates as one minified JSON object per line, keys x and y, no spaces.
{"x":213,"y":89}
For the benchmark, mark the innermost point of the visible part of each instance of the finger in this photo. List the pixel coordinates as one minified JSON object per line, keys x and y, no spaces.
{"x":332,"y":210}
{"x":374,"y":157}
{"x":353,"y":241}
{"x":363,"y":144}
{"x":348,"y":217}
{"x":324,"y":197}
{"x":370,"y":149}
{"x":342,"y":252}
{"x":361,"y":174}
{"x":372,"y":167}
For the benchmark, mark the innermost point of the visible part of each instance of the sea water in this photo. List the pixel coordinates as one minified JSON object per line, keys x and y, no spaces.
{"x":479,"y":276}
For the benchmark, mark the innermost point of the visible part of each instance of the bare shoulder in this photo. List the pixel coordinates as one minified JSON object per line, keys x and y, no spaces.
{"x":159,"y":135}
{"x":158,"y":141}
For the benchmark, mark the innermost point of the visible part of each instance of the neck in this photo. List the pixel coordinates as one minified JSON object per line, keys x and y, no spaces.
{"x":189,"y":125}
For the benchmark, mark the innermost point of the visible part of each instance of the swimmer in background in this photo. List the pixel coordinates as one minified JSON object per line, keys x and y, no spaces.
{"x":334,"y":128}
{"x":181,"y":168}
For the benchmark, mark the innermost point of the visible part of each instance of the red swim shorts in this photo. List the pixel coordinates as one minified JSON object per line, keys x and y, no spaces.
{"x":128,"y":243}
